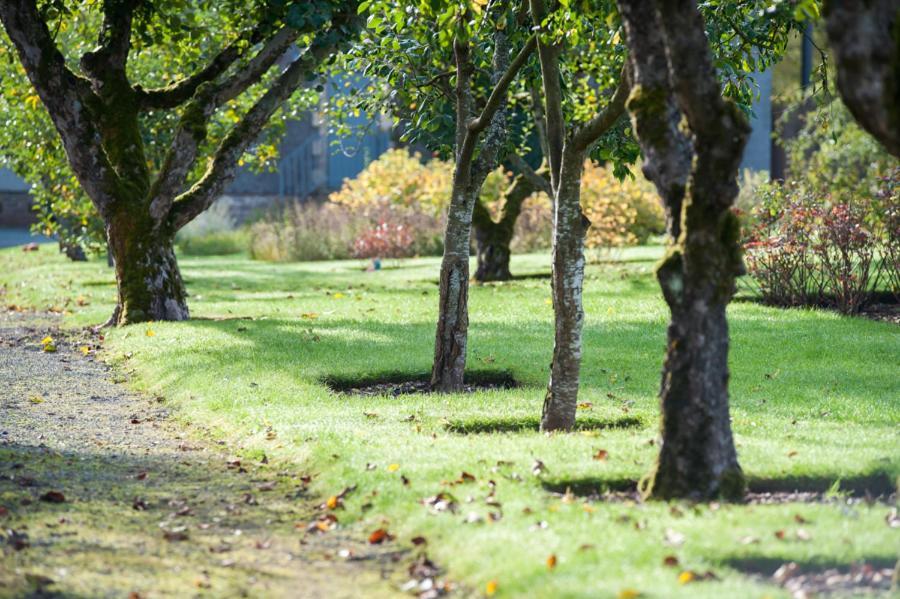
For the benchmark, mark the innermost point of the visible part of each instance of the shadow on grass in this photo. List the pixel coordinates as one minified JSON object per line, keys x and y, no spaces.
{"x":519,"y":424}
{"x":476,"y":379}
{"x":873,"y":485}
{"x":767,"y":565}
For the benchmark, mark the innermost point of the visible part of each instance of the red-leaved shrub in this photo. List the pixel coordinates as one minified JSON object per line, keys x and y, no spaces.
{"x":385,"y":240}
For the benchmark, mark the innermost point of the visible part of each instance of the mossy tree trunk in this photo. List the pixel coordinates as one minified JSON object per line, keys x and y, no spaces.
{"x":673,"y":75}
{"x":451,"y":336}
{"x":147,"y":277}
{"x":566,"y":150}
{"x":98,"y":112}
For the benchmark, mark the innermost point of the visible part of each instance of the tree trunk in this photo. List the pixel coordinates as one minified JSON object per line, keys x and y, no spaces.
{"x":697,"y":458}
{"x":493,"y":256}
{"x":453,"y":313}
{"x":147,"y":276}
{"x":569,"y":227}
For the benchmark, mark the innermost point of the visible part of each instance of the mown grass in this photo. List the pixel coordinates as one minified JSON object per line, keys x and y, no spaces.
{"x":815,"y":400}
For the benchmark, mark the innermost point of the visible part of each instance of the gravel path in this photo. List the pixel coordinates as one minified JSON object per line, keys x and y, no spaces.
{"x":102,"y":495}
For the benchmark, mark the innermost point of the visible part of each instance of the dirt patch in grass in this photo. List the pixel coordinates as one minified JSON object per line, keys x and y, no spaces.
{"x":404,"y":383}
{"x":870,"y":577}
{"x":871,"y":488}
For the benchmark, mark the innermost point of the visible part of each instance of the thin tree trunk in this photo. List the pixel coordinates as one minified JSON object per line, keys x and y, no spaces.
{"x":570,"y":226}
{"x":453,"y":314}
{"x":147,"y":276}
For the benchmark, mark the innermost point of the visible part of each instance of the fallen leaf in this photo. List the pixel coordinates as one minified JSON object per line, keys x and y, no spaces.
{"x":585,"y":405}
{"x":538,"y":468}
{"x":338,"y":295}
{"x":779,"y":534}
{"x":333,"y":502}
{"x":670,"y":560}
{"x":150,"y":333}
{"x":490,"y":589}
{"x":802,"y":535}
{"x":686,"y":577}
{"x":85,"y":350}
{"x":36,"y":399}
{"x":141,"y":475}
{"x":628,"y":594}
{"x":551,"y":561}
{"x":420,"y":540}
{"x":673,"y":538}
{"x":393,"y":467}
{"x":53,"y":497}
{"x":601,"y":455}
{"x":379,"y":536}
{"x":309,"y":315}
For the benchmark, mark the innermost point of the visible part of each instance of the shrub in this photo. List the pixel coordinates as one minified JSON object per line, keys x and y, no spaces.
{"x":778,"y":249}
{"x":808,"y":249}
{"x":622,"y":213}
{"x":385,"y":240}
{"x":213,"y":232}
{"x":305,"y":231}
{"x":400,"y":181}
{"x":217,"y":243}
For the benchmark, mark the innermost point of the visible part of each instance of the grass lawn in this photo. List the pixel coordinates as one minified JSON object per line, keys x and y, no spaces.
{"x":815,"y":405}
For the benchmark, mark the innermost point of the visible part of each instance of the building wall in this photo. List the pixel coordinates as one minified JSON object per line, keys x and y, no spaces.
{"x":758,"y":152}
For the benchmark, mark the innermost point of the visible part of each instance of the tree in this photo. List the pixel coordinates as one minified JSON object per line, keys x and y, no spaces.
{"x":695,"y":171}
{"x":865,"y":39}
{"x":481,"y":50}
{"x":99,"y":112}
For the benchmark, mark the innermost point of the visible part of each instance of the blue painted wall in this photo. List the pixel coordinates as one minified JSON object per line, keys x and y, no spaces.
{"x":758,"y":152}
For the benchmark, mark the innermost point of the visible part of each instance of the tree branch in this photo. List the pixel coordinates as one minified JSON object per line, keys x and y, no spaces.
{"x":66,"y":97}
{"x":549,"y":57}
{"x":603,"y":120}
{"x":535,"y":178}
{"x":192,"y":126}
{"x":114,"y":41}
{"x":223,"y":165}
{"x":181,"y":91}
{"x":498,"y":94}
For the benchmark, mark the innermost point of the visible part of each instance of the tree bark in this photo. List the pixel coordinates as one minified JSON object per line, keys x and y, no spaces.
{"x":671,"y":62}
{"x":448,"y":367}
{"x":149,"y":283}
{"x":493,"y":238}
{"x":569,"y":228}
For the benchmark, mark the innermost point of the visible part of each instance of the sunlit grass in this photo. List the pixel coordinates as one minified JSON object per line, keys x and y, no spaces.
{"x":815,"y":399}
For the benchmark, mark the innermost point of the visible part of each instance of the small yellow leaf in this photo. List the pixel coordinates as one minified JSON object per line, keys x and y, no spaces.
{"x":548,"y":301}
{"x":338,"y":295}
{"x":332,"y":502}
{"x":149,"y":333}
{"x":36,"y":399}
{"x":85,"y":350}
{"x":47,"y":340}
{"x":490,"y":588}
{"x":551,"y":561}
{"x":685,"y":577}
{"x":49,"y":348}
{"x":628,"y":594}
{"x":393,"y":467}
{"x":309,"y":315}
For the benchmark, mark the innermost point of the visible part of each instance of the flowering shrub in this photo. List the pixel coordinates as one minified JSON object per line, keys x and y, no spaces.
{"x":888,"y":198}
{"x":401,"y":181}
{"x":622,"y":213}
{"x":386,"y":240}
